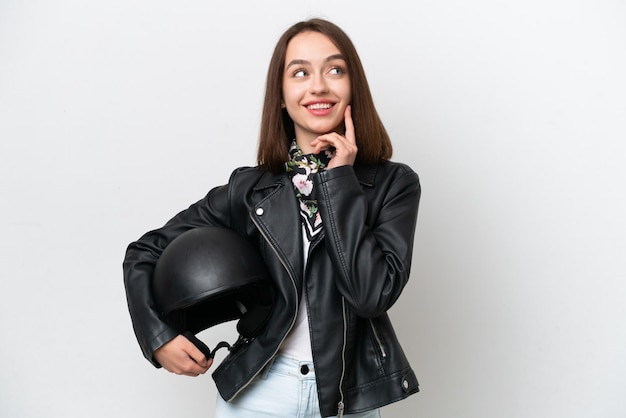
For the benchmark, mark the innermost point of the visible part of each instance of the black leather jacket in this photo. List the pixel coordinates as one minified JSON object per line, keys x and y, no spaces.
{"x":354,"y":274}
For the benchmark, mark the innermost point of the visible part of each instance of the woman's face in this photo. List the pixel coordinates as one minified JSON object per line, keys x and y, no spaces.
{"x":316,"y":86}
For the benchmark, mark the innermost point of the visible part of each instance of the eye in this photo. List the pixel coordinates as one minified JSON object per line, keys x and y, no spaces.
{"x":300,"y":73}
{"x":336,"y":71}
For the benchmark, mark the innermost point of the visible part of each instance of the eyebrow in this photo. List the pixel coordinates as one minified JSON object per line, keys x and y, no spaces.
{"x":305,"y":62}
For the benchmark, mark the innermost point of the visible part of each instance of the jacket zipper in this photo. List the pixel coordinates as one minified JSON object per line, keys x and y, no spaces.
{"x":293,"y":321}
{"x":341,"y":406}
{"x":380,"y":344}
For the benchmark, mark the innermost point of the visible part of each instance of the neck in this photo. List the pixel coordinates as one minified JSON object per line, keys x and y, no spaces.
{"x":305,"y":145}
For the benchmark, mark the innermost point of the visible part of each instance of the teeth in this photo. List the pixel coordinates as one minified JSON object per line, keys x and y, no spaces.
{"x":317,"y":106}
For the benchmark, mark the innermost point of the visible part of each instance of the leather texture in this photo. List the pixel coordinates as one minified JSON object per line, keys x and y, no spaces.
{"x":355,"y":272}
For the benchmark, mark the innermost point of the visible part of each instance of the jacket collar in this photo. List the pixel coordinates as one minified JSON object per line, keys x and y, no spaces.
{"x":282,"y":229}
{"x":365,"y":173}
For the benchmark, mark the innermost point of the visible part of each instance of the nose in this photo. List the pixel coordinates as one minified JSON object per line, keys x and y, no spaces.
{"x":318,"y":84}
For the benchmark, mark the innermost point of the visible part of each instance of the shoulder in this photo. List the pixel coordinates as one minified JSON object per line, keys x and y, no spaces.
{"x":396,"y":168}
{"x":245,"y":174}
{"x":385,"y":172}
{"x":253,"y":178}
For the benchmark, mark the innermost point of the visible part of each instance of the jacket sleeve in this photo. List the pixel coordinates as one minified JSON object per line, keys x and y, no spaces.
{"x":140,"y":260}
{"x":370,"y":242}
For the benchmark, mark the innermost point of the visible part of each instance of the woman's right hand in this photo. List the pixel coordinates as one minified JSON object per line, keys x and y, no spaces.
{"x":180,"y":356}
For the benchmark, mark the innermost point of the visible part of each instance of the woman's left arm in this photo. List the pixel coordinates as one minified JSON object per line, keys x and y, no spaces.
{"x":369,"y":234}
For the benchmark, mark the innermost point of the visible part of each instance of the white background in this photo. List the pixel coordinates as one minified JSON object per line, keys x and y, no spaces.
{"x":115,"y":115}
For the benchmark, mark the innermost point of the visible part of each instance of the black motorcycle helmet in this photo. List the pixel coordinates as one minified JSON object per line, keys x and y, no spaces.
{"x":210,"y":275}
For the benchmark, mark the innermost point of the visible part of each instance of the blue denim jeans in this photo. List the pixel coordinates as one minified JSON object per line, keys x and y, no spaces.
{"x":286,"y":389}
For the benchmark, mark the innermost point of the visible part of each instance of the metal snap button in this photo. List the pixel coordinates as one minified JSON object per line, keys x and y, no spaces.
{"x":259,"y":211}
{"x":405,"y":384}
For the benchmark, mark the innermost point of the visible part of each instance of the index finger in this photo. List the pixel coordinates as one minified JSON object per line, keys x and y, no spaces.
{"x":349,"y":134}
{"x":193,"y":350}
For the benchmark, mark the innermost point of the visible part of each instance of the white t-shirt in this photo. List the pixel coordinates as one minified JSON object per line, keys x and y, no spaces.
{"x":297,"y":345}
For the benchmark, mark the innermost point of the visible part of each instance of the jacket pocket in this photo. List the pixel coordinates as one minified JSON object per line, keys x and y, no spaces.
{"x":377,"y":340}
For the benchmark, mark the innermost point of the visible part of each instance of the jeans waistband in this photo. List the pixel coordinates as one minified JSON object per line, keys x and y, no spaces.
{"x":290,"y":366}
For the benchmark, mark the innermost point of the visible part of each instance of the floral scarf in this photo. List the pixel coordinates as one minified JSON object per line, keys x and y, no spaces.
{"x":301,"y":168}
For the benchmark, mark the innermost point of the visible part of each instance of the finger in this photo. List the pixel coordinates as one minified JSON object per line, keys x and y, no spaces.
{"x":184,"y":367}
{"x":196,"y":355}
{"x":324,"y":142}
{"x":189,"y":367}
{"x":194,"y":369}
{"x":349,"y":123}
{"x":186,"y":370}
{"x":198,"y":363}
{"x":177,"y":356}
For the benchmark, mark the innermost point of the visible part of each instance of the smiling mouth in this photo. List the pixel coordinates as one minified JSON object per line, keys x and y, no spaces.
{"x":319,"y":106}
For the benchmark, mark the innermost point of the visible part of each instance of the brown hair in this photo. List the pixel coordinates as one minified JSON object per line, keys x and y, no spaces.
{"x":277,"y":129}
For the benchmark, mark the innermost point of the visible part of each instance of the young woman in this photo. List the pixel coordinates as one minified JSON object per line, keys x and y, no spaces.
{"x":334,"y":220}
